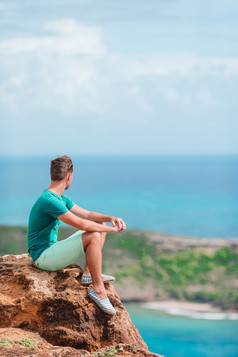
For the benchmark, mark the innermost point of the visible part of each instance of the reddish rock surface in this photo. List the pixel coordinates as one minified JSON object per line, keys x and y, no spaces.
{"x":17,"y":340}
{"x":56,"y":306}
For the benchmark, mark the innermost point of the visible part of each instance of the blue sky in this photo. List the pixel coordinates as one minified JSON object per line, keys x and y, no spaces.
{"x":118,"y":77}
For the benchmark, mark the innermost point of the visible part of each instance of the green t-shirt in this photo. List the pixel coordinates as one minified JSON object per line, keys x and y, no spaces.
{"x":43,"y":222}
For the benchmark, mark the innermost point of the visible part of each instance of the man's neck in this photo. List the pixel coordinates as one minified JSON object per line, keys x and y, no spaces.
{"x":57,"y":187}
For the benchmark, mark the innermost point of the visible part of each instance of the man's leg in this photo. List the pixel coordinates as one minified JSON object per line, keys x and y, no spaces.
{"x":92,"y":243}
{"x":62,"y":253}
{"x":103,"y":238}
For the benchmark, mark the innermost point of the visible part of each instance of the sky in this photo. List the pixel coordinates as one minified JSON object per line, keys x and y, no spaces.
{"x":125,"y":77}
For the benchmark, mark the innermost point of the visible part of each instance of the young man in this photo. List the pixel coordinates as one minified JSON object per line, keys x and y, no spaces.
{"x":49,"y":254}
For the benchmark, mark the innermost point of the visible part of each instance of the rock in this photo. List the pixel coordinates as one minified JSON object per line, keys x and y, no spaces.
{"x":19,"y":342}
{"x":16,"y":342}
{"x":57,"y":307}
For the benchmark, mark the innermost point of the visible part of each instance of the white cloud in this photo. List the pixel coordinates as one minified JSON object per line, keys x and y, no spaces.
{"x":167,"y":64}
{"x":56,"y":72}
{"x":69,"y":70}
{"x":187,"y":100}
{"x":71,"y":39}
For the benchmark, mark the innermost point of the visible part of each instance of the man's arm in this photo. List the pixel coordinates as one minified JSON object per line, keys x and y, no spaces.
{"x":85,"y":224}
{"x":97,"y":217}
{"x":91,"y":216}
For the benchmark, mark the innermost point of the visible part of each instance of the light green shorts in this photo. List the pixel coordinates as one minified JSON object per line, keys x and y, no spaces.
{"x":62,"y":253}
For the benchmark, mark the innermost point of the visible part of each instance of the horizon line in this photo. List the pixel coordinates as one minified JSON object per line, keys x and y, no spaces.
{"x":15,"y":156}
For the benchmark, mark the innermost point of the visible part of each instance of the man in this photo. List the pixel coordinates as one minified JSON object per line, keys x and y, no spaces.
{"x":49,"y":254}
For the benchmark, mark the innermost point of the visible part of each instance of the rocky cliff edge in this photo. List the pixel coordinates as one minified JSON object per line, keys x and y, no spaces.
{"x":55,"y":310}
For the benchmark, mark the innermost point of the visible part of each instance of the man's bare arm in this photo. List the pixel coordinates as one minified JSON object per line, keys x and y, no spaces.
{"x":91,"y":216}
{"x":80,"y":212}
{"x":86,"y":225}
{"x":97,"y":217}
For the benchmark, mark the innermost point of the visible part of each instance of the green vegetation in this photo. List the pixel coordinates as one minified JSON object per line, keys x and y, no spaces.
{"x":27,"y":342}
{"x":6,"y":342}
{"x":195,"y":274}
{"x":13,"y":239}
{"x":109,"y":352}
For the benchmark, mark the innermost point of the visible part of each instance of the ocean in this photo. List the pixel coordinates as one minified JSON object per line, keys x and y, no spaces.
{"x":177,"y":336}
{"x":184,"y":195}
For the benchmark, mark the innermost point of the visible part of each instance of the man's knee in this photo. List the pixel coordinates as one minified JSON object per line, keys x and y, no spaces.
{"x":91,"y":238}
{"x":96,"y":237}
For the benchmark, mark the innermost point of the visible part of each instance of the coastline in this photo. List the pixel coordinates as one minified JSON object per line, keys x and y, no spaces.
{"x":194,"y":310}
{"x":172,"y":241}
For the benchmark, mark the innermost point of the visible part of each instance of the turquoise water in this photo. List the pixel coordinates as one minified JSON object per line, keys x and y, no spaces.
{"x":174,"y":336}
{"x":184,"y":195}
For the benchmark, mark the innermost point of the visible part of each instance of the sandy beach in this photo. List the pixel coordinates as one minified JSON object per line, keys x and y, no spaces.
{"x":191,"y":309}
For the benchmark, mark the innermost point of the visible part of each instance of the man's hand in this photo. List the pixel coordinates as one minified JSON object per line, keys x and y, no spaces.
{"x":118,"y":223}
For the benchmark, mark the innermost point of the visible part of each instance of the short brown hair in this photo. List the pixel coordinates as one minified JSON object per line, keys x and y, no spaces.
{"x":60,"y":167}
